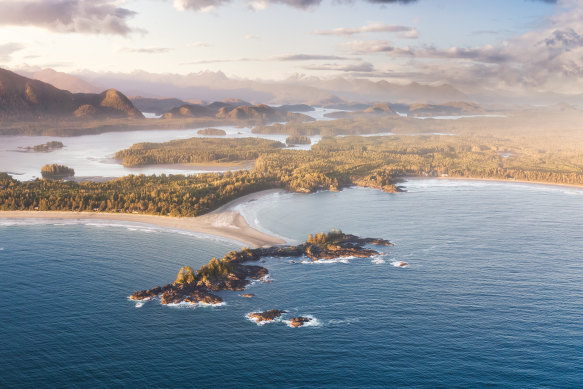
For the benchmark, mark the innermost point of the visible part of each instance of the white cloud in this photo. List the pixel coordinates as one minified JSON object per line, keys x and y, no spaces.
{"x":7,"y":49}
{"x":93,"y":17}
{"x":404,"y":31}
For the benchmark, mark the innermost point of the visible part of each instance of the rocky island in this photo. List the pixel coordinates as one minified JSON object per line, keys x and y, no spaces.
{"x":42,"y":148}
{"x":231,"y":272}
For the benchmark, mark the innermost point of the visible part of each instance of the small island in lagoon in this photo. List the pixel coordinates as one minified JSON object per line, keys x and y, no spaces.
{"x":232,"y":273}
{"x":42,"y":148}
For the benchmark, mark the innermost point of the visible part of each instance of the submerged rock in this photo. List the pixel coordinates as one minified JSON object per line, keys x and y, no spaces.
{"x":248,"y":295}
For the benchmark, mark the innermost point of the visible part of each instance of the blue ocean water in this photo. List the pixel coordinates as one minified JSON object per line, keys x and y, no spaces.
{"x":493,"y":296}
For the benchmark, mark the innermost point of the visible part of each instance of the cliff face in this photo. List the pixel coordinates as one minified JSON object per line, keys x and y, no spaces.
{"x":22,"y":98}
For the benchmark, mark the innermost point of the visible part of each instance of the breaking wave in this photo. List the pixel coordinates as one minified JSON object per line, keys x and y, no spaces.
{"x":314,"y":322}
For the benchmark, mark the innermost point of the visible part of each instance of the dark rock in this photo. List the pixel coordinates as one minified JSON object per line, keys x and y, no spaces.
{"x":267,"y":315}
{"x":298,"y":321}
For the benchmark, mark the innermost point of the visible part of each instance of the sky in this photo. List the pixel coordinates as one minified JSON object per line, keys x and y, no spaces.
{"x":515,"y":45}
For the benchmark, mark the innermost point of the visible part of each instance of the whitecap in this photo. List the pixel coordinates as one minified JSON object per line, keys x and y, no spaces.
{"x":400,"y":264}
{"x":347,"y":321}
{"x":377,"y":260}
{"x":185,"y":304}
{"x":328,"y":261}
{"x":140,"y":304}
{"x":1,"y":248}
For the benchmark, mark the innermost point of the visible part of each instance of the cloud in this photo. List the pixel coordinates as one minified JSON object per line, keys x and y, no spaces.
{"x":251,"y":37}
{"x":376,"y":46}
{"x":364,"y":67}
{"x":146,"y":50}
{"x":405,"y":32}
{"x":199,"y":44}
{"x":547,"y":58}
{"x":81,"y":16}
{"x":7,"y":49}
{"x":199,"y":5}
{"x":224,"y":60}
{"x":257,"y":5}
{"x":309,"y":57}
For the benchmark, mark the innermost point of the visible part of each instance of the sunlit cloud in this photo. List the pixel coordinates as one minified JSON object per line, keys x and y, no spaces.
{"x":146,"y":50}
{"x":405,"y":32}
{"x":80,"y":16}
{"x":357,"y":67}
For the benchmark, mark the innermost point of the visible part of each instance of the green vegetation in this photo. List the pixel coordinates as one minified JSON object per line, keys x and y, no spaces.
{"x":298,"y":140}
{"x":45,"y":147}
{"x":174,"y":195}
{"x":185,"y":275}
{"x":215,"y":270}
{"x":321,"y":238}
{"x":195,"y":150}
{"x":56,"y":172}
{"x":212,"y":132}
{"x":530,"y":147}
{"x":334,"y":163}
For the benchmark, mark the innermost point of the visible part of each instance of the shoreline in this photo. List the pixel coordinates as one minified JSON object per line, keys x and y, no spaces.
{"x":223,"y":222}
{"x":416,"y":178}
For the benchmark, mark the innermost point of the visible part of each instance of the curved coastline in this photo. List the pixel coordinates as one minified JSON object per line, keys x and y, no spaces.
{"x":223,"y":222}
{"x":485,"y":179}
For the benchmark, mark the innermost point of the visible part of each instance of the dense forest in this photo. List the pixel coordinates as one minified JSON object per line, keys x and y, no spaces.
{"x":196,"y":150}
{"x":298,"y":140}
{"x":333,"y":163}
{"x":56,"y":172}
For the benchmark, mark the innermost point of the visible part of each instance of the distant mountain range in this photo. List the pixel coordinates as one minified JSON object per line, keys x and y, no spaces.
{"x":216,"y":86}
{"x":22,"y":98}
{"x":63,"y":81}
{"x":339,"y":92}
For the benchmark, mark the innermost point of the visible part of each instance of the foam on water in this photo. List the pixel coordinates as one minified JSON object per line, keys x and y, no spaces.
{"x":328,"y":261}
{"x":134,"y":227}
{"x":398,"y":264}
{"x":377,"y":260}
{"x":264,"y":322}
{"x":314,"y":322}
{"x":184,"y":304}
{"x":343,"y":322}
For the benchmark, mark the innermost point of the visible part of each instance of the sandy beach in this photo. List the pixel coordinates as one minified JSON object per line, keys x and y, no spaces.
{"x":414,"y":178}
{"x":223,"y":222}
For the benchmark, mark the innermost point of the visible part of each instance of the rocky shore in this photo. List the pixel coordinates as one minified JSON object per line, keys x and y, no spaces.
{"x":232,"y":273}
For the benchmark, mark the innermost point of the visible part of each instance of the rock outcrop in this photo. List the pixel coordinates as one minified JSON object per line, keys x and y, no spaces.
{"x":298,"y":321}
{"x":266,"y":316}
{"x":232,"y":273}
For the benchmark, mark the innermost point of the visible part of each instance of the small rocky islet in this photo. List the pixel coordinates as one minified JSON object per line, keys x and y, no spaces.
{"x":232,"y":273}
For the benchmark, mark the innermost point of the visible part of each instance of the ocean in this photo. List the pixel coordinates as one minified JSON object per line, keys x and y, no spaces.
{"x":492,"y":296}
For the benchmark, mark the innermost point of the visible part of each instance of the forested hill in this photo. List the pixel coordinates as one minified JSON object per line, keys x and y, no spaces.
{"x":23,"y":98}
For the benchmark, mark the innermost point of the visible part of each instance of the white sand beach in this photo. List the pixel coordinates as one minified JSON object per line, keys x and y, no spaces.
{"x":223,"y":222}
